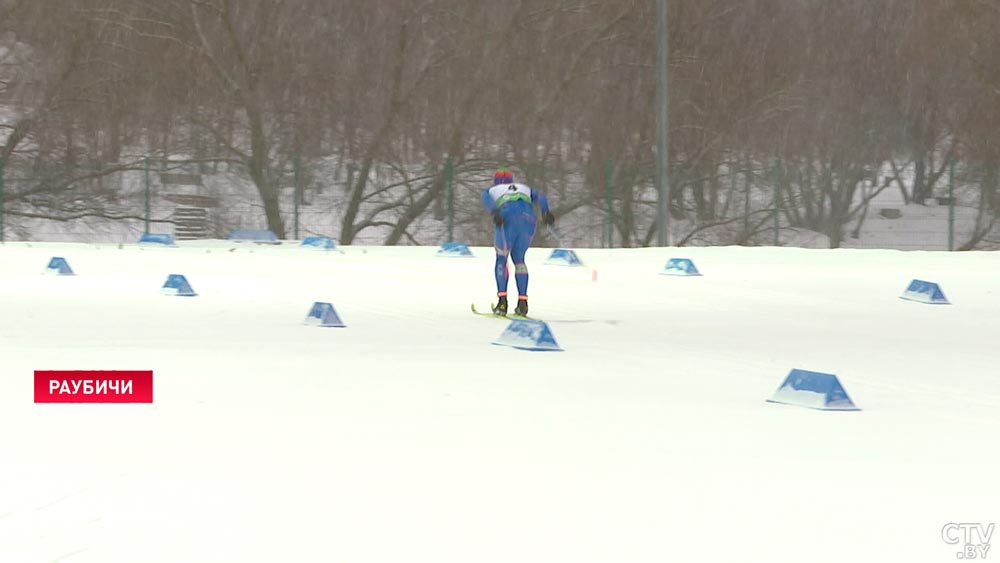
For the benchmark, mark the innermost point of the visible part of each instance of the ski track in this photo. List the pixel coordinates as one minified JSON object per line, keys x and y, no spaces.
{"x":407,"y":436}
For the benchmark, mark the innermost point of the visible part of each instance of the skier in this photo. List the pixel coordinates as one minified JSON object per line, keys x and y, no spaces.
{"x":512,"y":207}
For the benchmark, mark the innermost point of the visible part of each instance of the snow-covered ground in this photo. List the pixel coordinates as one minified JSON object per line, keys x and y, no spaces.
{"x":408,"y":437}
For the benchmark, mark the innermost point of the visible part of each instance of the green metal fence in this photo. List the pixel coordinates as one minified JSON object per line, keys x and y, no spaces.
{"x":756,"y":203}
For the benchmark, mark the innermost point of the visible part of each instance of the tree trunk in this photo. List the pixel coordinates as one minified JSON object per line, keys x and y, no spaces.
{"x":259,"y":173}
{"x":357,"y":191}
{"x":920,"y":179}
{"x":986,"y":216}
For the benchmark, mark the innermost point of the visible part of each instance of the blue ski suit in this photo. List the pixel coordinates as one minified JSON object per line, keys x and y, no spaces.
{"x":515,"y":205}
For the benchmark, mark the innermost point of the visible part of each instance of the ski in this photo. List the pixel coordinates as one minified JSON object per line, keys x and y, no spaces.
{"x":510,"y":316}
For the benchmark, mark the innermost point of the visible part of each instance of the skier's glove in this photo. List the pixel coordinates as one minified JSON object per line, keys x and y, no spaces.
{"x":548,"y":218}
{"x":497,"y":218}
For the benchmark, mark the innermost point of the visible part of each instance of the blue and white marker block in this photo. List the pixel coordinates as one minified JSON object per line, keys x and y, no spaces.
{"x":259,"y":236}
{"x":324,"y":315}
{"x":177,"y":285}
{"x":925,"y":292}
{"x":680,"y":267}
{"x":534,"y":336}
{"x":454,"y":249}
{"x":813,"y":390}
{"x":319,"y":243}
{"x":59,"y":266}
{"x":564,"y":257}
{"x":157,"y":239}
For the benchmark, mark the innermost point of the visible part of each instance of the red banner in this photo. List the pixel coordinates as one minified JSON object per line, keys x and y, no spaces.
{"x":75,"y":386}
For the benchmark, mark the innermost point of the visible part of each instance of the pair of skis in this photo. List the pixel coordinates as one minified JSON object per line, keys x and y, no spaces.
{"x":509,"y":316}
{"x":514,"y":316}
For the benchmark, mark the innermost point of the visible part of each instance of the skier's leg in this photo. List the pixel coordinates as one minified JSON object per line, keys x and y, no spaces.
{"x":500,"y":270}
{"x":519,"y":247}
{"x":520,"y":270}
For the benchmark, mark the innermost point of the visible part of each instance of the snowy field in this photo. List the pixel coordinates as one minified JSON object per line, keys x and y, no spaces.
{"x":408,"y":437}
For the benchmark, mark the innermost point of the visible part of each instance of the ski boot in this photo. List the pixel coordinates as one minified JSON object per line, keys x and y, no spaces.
{"x":501,"y":307}
{"x":522,"y":307}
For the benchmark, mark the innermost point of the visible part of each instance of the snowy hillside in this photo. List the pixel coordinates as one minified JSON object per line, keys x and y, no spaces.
{"x":408,"y":437}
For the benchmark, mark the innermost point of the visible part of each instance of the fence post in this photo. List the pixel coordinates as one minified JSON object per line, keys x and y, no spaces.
{"x":609,"y":173}
{"x":449,"y":176}
{"x":297,"y":196}
{"x":748,"y":179}
{"x":777,"y":198}
{"x":951,"y":204}
{"x":1,"y":199}
{"x":146,"y":186}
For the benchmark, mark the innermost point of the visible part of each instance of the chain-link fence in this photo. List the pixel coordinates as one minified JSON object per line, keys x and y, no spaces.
{"x":741,"y":205}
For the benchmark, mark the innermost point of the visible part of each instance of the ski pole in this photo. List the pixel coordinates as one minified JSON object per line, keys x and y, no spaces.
{"x":555,"y":234}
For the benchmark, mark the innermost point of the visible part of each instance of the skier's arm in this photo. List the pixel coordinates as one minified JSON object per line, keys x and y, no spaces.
{"x":491,"y":206}
{"x":537,"y":197}
{"x":488,"y":202}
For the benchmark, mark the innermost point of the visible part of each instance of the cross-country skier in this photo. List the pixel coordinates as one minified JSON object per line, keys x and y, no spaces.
{"x":512,"y":207}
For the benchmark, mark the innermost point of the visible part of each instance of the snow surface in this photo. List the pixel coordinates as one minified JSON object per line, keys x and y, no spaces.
{"x":408,"y":437}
